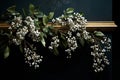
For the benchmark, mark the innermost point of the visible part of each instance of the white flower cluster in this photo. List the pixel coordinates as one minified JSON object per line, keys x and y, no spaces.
{"x":16,"y":23}
{"x":32,"y":58}
{"x":35,"y":35}
{"x":76,"y":23}
{"x":23,"y":27}
{"x":21,"y":32}
{"x":20,"y":35}
{"x":107,"y":42}
{"x":31,"y":27}
{"x":19,"y":28}
{"x":54,"y":43}
{"x":30,"y":23}
{"x":72,"y":45}
{"x":16,"y":41}
{"x":86,"y":35}
{"x":99,"y":51}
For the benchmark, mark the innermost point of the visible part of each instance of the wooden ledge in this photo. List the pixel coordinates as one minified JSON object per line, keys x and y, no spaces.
{"x":105,"y":26}
{"x":101,"y":26}
{"x":91,"y":26}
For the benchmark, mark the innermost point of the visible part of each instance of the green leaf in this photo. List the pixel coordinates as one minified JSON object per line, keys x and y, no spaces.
{"x":55,"y":51}
{"x":82,"y":13}
{"x":63,"y":36}
{"x":21,"y":48}
{"x":37,"y":24}
{"x":42,"y":39}
{"x":45,"y":29}
{"x":39,"y":14}
{"x":24,"y":12}
{"x":50,"y":27}
{"x":31,"y":9}
{"x":82,"y":41}
{"x":6,"y":52}
{"x":43,"y":42}
{"x":63,"y":40}
{"x":69,"y":10}
{"x":11,"y":9}
{"x":99,"y":33}
{"x":51,"y":14}
{"x":64,"y":43}
{"x":36,"y":11}
{"x":45,"y":20}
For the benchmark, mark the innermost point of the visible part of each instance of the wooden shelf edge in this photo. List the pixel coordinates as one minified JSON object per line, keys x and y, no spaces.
{"x":105,"y":26}
{"x":101,"y":24}
{"x":90,"y":26}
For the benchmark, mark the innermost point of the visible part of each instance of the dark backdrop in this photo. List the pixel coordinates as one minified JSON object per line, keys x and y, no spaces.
{"x":93,"y":9}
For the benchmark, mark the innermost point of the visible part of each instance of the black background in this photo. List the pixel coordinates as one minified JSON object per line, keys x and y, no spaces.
{"x":92,"y":9}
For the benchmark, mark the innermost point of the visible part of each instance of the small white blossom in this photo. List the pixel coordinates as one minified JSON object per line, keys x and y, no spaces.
{"x":78,"y":34}
{"x":16,"y":41}
{"x":32,"y":58}
{"x":99,"y":55}
{"x":54,"y":43}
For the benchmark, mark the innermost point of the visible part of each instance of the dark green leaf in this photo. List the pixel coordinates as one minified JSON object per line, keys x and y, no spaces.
{"x":56,"y":51}
{"x":63,"y":36}
{"x":45,"y":29}
{"x":50,"y":33}
{"x":24,"y":12}
{"x":31,"y":9}
{"x":36,"y":11}
{"x":11,"y":9}
{"x":50,"y":27}
{"x":42,"y":39}
{"x":82,"y":13}
{"x":99,"y":33}
{"x":64,"y":43}
{"x":39,"y":14}
{"x":43,"y":42}
{"x":45,"y":35}
{"x":37,"y":24}
{"x":45,"y":20}
{"x":69,"y":10}
{"x":21,"y":48}
{"x":6,"y":52}
{"x":82,"y":41}
{"x":51,"y":14}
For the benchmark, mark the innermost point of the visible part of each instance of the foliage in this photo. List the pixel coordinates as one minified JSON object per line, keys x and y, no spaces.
{"x":27,"y":31}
